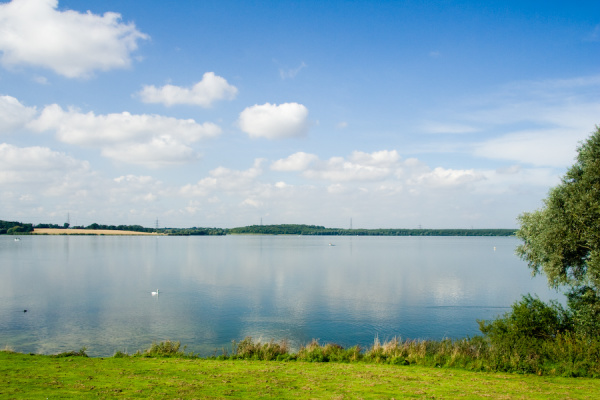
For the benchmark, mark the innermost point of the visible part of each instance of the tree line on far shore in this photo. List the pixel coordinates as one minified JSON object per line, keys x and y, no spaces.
{"x":19,"y":228}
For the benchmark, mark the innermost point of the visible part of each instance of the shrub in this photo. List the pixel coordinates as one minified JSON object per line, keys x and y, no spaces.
{"x":165,"y":349}
{"x":584,"y":304}
{"x":248,"y":349}
{"x":80,"y":353}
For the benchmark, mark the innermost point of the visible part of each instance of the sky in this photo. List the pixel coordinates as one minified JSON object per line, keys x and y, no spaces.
{"x":370,"y":114}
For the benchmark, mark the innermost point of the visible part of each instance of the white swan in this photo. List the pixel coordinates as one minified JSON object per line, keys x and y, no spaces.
{"x":155,"y":293}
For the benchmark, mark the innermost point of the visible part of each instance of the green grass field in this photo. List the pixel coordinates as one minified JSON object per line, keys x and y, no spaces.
{"x":25,"y":376}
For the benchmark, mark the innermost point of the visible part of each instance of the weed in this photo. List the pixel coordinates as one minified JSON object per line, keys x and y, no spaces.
{"x":166,"y":348}
{"x":80,"y":353}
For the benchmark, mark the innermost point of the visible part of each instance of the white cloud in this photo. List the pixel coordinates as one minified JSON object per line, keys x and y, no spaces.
{"x":441,"y":177}
{"x":226,"y":180}
{"x":555,"y":148}
{"x":210,"y":89}
{"x":42,"y":80}
{"x":252,"y":203}
{"x":159,"y":152}
{"x":135,"y":189}
{"x":296,"y":162}
{"x":13,"y":114}
{"x":291,"y":73}
{"x":360,"y":166}
{"x":35,"y":164}
{"x":273,"y":121}
{"x":337,"y":169}
{"x":538,"y":123}
{"x":73,"y":44}
{"x":377,"y":158}
{"x":150,"y":140}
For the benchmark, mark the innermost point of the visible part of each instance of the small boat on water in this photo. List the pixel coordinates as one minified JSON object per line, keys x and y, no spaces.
{"x":17,"y":239}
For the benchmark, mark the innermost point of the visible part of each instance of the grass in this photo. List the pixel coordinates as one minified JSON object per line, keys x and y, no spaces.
{"x":46,"y":377}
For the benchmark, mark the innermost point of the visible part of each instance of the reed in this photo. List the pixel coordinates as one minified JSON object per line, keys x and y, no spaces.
{"x":249,"y":349}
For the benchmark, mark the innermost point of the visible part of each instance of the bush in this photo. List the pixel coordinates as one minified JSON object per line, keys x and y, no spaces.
{"x":530,"y":318}
{"x":518,"y":340}
{"x":584,"y":304}
{"x":165,"y":349}
{"x":248,"y":349}
{"x":315,"y":352}
{"x":80,"y":353}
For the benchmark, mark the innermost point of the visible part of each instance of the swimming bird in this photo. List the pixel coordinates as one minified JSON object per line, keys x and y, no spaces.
{"x":155,"y":293}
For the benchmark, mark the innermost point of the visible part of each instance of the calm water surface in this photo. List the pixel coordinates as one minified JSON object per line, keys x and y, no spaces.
{"x":96,"y":291}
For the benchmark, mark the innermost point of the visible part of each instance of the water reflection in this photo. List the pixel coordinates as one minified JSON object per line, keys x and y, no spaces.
{"x":96,"y":291}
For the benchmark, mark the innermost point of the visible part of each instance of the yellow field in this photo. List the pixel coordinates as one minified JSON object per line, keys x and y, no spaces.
{"x":51,"y":231}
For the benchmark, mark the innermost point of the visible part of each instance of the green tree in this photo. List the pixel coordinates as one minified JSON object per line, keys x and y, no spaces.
{"x":562,"y":240}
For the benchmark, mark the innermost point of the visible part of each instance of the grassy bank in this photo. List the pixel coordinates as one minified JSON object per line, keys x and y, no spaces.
{"x":42,"y":377}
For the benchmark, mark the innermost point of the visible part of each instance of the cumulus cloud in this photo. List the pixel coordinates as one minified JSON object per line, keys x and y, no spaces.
{"x":359,"y":166}
{"x":159,"y":152}
{"x":272,"y":121}
{"x":296,"y":162}
{"x":136,"y":189}
{"x":377,"y":158}
{"x":337,"y":169}
{"x":35,"y":164}
{"x":227,"y":180}
{"x":13,"y":114}
{"x":204,"y":93}
{"x":441,"y":177}
{"x":150,"y":140}
{"x":72,"y":44}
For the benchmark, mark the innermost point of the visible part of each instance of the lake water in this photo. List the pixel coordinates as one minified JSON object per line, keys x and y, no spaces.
{"x":96,"y":291}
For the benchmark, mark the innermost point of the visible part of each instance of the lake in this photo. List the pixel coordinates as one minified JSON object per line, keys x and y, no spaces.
{"x":95,"y":291}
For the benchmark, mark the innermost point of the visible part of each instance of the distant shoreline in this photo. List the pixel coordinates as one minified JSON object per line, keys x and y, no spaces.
{"x":95,"y":232}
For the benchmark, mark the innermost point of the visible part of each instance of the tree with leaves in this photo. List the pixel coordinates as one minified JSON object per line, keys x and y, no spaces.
{"x":562,"y":240}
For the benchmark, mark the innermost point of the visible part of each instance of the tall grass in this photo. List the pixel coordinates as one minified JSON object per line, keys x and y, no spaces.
{"x":565,"y":354}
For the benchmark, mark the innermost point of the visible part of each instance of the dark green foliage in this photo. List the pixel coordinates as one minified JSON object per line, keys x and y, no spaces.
{"x":133,"y":228}
{"x":49,"y":226}
{"x":120,"y":354}
{"x":192,"y":231}
{"x":584,"y":304}
{"x":250,"y":350}
{"x":292,"y":229}
{"x":14,"y":228}
{"x":331,"y":352}
{"x":562,"y":240}
{"x":530,"y":318}
{"x":519,"y":339}
{"x":164,"y":349}
{"x":80,"y":353}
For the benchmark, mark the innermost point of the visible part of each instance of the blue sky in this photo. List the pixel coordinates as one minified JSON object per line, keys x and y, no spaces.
{"x":400,"y":114}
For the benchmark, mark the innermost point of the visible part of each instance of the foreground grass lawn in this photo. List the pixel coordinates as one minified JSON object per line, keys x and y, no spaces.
{"x":42,"y":377}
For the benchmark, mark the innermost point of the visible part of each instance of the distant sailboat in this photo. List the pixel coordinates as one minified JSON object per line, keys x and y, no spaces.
{"x":155,"y":293}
